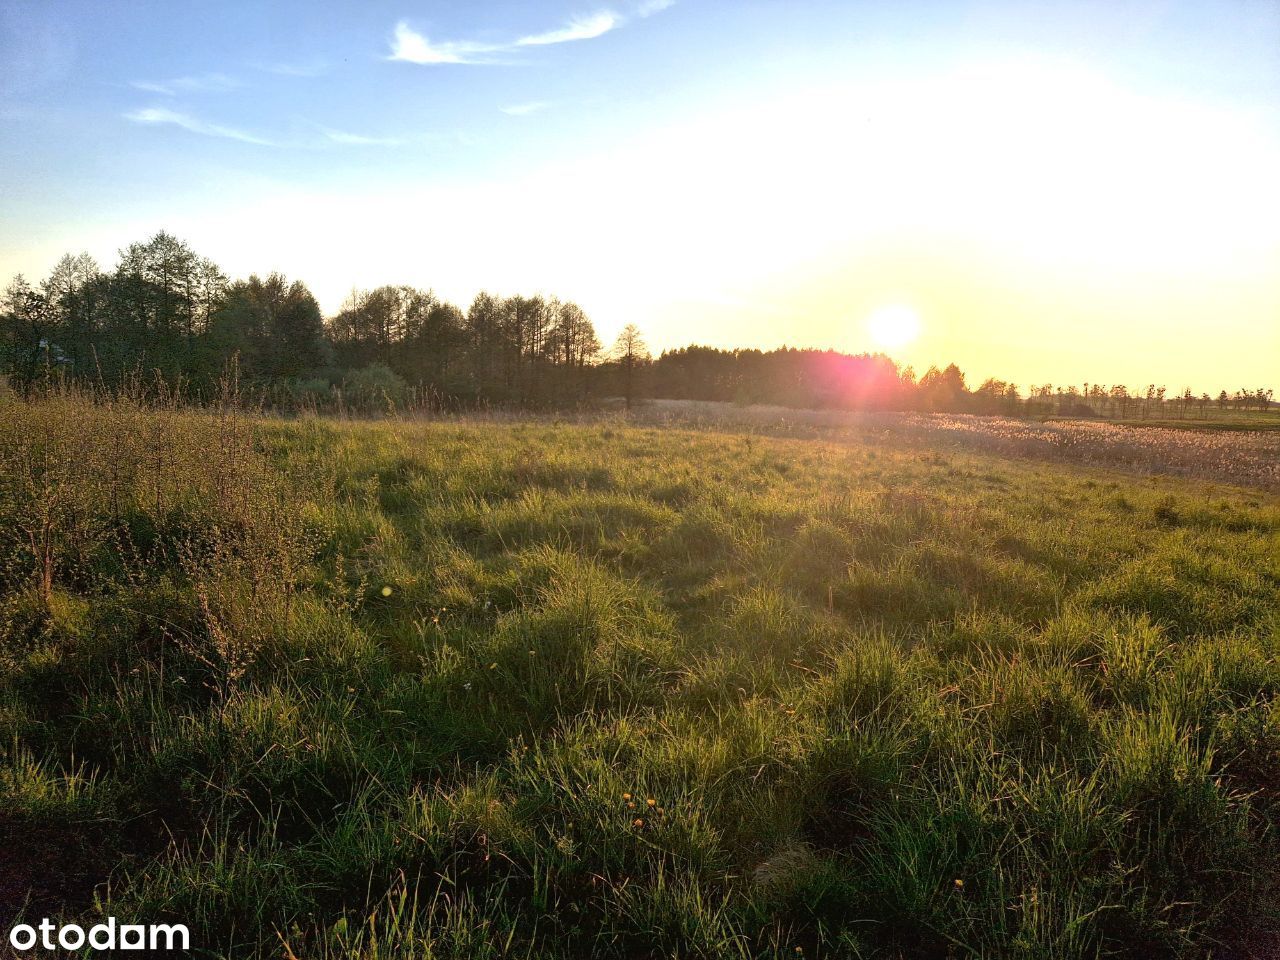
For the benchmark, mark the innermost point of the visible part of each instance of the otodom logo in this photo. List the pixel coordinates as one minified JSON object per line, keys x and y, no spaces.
{"x":47,"y":935}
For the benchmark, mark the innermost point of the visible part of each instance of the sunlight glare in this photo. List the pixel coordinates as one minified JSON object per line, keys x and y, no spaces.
{"x":893,"y":327}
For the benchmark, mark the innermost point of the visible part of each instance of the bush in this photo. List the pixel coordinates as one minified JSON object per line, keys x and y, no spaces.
{"x":375,"y":387}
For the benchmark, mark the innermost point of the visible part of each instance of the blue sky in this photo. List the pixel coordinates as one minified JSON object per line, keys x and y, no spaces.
{"x":734,"y":173}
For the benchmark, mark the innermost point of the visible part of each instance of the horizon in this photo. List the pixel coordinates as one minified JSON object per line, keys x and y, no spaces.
{"x":1056,"y":194}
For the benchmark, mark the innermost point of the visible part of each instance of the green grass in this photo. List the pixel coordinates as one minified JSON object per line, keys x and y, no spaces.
{"x":534,"y":690}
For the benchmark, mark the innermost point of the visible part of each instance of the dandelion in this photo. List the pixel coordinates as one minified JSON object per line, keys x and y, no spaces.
{"x":386,"y":591}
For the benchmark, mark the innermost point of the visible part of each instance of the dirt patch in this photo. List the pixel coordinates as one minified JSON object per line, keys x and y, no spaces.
{"x":1265,"y":946}
{"x":48,"y":870}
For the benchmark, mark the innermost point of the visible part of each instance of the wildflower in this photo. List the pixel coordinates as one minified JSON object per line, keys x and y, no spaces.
{"x":533,"y":653}
{"x":637,"y":823}
{"x":626,"y":796}
{"x":386,"y":591}
{"x":467,"y":685}
{"x":652,"y":802}
{"x":493,"y":666}
{"x":959,"y":883}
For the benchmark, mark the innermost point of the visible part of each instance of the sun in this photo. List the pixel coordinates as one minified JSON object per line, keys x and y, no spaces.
{"x":893,"y":327}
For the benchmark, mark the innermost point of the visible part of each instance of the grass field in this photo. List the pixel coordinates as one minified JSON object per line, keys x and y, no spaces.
{"x":395,"y":690}
{"x":1225,"y":455}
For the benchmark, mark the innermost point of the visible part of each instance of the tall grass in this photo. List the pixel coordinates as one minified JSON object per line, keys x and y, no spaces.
{"x":393,"y":690}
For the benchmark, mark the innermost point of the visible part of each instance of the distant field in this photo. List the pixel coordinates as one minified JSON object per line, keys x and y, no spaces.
{"x":1257,"y":421}
{"x":1147,"y":447}
{"x":886,"y":686}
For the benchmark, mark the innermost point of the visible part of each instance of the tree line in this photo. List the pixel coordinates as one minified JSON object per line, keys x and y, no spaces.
{"x":826,"y":378}
{"x":166,"y":312}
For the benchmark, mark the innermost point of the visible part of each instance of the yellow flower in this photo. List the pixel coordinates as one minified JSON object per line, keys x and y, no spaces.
{"x":652,"y":802}
{"x":637,"y":823}
{"x":386,"y":591}
{"x":959,"y":883}
{"x":626,"y":796}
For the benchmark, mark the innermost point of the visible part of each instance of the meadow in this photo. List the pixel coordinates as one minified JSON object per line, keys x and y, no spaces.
{"x":398,"y":689}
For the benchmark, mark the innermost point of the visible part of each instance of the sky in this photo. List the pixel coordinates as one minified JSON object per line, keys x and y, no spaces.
{"x":1052,"y":192}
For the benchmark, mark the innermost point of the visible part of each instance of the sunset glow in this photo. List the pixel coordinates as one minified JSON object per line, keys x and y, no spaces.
{"x":1057,"y":203}
{"x":893,"y":327}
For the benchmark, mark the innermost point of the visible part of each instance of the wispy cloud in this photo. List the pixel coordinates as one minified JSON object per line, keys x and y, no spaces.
{"x":524,"y":109}
{"x":410,"y":46}
{"x":204,"y":83}
{"x":579,"y":28}
{"x":358,"y":139}
{"x":649,"y":7}
{"x":162,"y":116}
{"x":308,"y":68}
{"x":156,"y":116}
